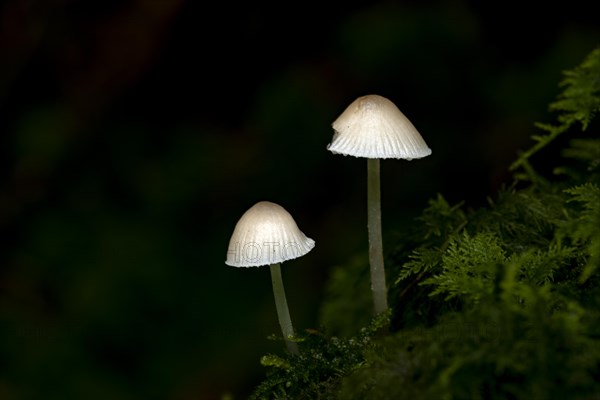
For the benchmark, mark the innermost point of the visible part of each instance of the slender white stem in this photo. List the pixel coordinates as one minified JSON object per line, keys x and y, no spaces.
{"x":378,"y":285}
{"x":283,"y":312}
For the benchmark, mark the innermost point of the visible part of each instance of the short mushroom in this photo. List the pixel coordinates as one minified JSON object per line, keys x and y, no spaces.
{"x":268,"y":235}
{"x":373,"y":127}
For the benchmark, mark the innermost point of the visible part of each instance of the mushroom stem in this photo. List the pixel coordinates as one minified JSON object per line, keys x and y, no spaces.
{"x":378,"y":286}
{"x":283,"y":312}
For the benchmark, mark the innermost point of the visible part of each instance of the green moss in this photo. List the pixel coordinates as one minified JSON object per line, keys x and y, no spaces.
{"x":500,"y":302}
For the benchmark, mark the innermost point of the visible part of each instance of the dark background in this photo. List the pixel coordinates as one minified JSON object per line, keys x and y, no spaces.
{"x":134,"y":134}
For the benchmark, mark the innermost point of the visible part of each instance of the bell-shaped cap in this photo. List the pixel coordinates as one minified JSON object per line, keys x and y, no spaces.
{"x":266,"y":234}
{"x":373,"y":127}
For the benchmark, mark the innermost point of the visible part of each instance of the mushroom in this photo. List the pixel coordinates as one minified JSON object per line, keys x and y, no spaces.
{"x":373,"y":127}
{"x":268,"y":235}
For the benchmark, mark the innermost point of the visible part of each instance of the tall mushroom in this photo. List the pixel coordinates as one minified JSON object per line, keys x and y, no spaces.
{"x":268,"y":235}
{"x":373,"y":127}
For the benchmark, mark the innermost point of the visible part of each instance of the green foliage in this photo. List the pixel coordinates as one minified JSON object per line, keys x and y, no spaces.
{"x":440,"y":220}
{"x":584,"y":229}
{"x":501,"y":302}
{"x":490,"y":352}
{"x":468,"y":267}
{"x":579,"y":102}
{"x":323,"y":360}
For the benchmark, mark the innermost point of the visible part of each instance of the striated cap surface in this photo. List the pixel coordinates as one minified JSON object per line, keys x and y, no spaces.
{"x":373,"y":127}
{"x":266,"y":234}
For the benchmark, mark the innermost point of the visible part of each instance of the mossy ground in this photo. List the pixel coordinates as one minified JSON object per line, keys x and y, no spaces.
{"x":498,"y":302}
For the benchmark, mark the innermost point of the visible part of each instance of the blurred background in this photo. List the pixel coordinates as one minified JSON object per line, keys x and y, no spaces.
{"x":134,"y":134}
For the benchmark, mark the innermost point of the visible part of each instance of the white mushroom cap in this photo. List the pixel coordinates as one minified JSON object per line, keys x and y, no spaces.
{"x":373,"y":127}
{"x":266,"y":234}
